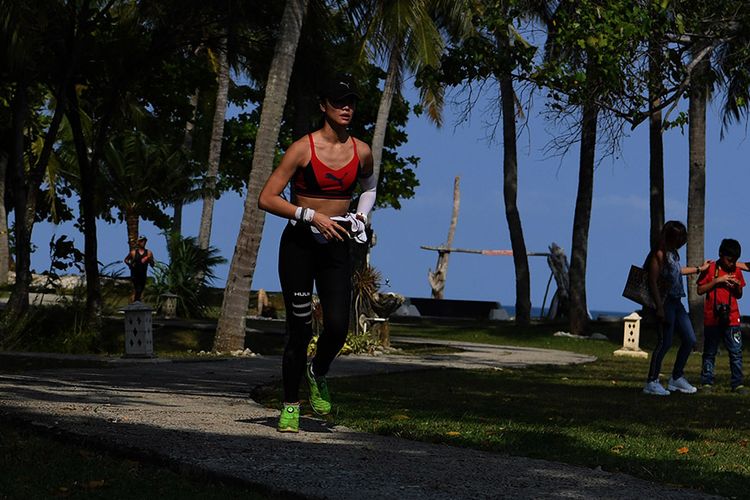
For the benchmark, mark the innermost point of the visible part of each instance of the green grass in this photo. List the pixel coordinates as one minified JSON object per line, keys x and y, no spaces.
{"x":35,"y":465}
{"x":537,"y":335}
{"x":592,"y":415}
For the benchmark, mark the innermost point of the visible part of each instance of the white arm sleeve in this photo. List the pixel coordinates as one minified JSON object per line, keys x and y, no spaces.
{"x":367,"y":198}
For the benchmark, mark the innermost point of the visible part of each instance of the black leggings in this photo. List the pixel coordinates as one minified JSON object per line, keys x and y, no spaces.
{"x":139,"y":284}
{"x":303,"y":261}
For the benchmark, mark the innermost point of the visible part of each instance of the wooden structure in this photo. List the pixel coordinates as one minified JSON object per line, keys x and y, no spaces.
{"x":438,"y":277}
{"x":558,"y":264}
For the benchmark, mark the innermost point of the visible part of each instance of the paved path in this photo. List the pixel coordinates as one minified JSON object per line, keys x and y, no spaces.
{"x":198,"y":415}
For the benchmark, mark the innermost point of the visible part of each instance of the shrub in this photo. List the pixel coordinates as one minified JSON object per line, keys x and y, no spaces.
{"x":188,"y":275}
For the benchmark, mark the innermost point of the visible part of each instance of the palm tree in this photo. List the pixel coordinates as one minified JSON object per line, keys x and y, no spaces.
{"x":230,"y":330}
{"x":406,"y":35}
{"x":187,"y":148}
{"x":508,"y":55}
{"x":214,"y":154}
{"x":510,"y":187}
{"x":718,"y":30}
{"x":697,"y":99}
{"x":138,"y":175}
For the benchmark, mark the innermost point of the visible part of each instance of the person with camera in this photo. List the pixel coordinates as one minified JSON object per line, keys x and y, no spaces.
{"x":722,"y":285}
{"x":664,"y":267}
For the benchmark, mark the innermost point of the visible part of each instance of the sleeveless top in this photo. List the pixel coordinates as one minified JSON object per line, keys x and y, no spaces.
{"x":137,"y":267}
{"x":672,"y":273}
{"x":318,"y":180}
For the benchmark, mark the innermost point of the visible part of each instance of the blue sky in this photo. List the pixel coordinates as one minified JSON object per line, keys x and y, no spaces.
{"x":547,"y":189}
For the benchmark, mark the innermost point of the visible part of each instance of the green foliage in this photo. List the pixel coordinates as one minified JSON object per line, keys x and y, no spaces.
{"x":141,"y":176}
{"x":188,"y":275}
{"x":63,"y":255}
{"x":57,"y":328}
{"x":592,"y":51}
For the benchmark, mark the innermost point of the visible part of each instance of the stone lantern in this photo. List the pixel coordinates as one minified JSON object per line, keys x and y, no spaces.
{"x":139,"y":340}
{"x":169,"y":306}
{"x":631,"y":337}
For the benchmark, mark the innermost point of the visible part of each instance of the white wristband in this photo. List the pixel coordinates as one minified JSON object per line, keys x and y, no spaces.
{"x":298,"y":213}
{"x":308,"y":214}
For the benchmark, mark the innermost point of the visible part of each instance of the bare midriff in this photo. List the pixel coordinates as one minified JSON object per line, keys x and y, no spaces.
{"x":331,"y":208}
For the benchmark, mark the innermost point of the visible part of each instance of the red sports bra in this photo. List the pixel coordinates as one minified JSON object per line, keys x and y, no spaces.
{"x":317,"y":180}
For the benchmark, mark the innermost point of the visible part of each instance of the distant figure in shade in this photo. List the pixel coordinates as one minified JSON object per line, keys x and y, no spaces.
{"x":138,"y":260}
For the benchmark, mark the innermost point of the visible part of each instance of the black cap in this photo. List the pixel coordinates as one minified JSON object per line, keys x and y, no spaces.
{"x":339,"y":87}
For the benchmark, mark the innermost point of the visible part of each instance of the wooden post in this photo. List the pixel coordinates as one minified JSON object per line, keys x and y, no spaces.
{"x":438,"y":277}
{"x":262,"y":301}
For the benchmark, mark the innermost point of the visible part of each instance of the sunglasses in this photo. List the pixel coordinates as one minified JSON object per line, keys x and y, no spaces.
{"x":349,"y":100}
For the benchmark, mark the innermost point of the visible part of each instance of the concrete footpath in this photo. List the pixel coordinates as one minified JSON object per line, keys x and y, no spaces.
{"x":197,"y":415}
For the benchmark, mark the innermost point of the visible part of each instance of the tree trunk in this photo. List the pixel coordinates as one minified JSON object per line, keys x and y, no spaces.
{"x":214,"y":152}
{"x":392,"y":83}
{"x":18,"y":303}
{"x":4,"y":248}
{"x":87,"y":170}
{"x":132,"y":220}
{"x":187,"y":147}
{"x":698,"y":95}
{"x":510,"y":193}
{"x":656,"y":146}
{"x":27,"y":188}
{"x":230,"y":330}
{"x":578,"y":306}
{"x":176,"y":218}
{"x":305,"y":107}
{"x":437,"y":278}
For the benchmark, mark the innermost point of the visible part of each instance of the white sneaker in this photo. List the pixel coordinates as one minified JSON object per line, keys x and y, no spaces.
{"x":681,"y":385}
{"x":655,"y":389}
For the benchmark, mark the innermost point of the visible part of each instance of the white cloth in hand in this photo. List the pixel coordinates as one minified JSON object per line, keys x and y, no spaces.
{"x":358,"y":232}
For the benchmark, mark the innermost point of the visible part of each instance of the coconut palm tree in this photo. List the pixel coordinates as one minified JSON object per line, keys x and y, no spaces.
{"x":696,"y":221}
{"x":510,"y":184}
{"x":214,"y":153}
{"x":405,"y":33}
{"x":138,"y":175}
{"x":230,"y":330}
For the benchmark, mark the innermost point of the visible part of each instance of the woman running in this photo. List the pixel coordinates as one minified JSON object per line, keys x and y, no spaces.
{"x":323,"y":168}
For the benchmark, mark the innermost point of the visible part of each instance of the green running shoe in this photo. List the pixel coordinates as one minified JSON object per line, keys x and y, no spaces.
{"x":320,"y":398}
{"x":289,"y":419}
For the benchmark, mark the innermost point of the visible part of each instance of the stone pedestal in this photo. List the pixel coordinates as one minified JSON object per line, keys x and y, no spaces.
{"x":139,"y":340}
{"x":631,"y":337}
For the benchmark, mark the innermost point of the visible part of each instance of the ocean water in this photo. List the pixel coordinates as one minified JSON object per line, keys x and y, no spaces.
{"x":536,"y":312}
